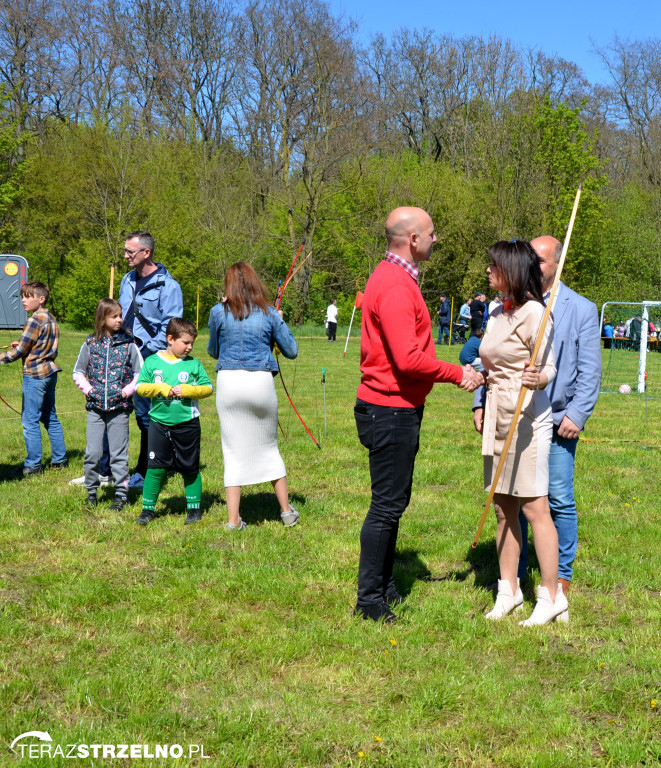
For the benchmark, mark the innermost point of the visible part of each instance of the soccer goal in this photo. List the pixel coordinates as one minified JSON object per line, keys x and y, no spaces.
{"x":631,"y":352}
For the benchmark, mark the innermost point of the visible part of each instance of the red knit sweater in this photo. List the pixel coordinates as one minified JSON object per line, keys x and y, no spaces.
{"x":397,"y":354}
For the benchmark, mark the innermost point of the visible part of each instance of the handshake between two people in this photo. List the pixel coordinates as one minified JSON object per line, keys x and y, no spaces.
{"x":472,"y":379}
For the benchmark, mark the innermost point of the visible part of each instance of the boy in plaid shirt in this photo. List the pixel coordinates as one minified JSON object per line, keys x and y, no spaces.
{"x":37,"y":347}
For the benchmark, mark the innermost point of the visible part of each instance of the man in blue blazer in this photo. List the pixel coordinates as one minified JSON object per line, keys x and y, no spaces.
{"x":573,"y":394}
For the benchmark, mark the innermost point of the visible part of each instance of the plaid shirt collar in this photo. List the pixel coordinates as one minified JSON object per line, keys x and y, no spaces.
{"x":393,"y":258}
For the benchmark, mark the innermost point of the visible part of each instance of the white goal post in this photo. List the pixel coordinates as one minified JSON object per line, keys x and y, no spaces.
{"x":643,"y":332}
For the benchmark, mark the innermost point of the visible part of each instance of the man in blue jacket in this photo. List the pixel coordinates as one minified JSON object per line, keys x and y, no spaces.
{"x":444,"y":320}
{"x":573,"y":395}
{"x":149,"y":296}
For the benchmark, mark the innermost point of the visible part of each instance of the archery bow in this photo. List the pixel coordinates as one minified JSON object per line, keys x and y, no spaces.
{"x":278,"y":301}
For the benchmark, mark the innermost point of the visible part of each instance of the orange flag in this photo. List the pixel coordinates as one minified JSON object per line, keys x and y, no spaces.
{"x":358,"y":303}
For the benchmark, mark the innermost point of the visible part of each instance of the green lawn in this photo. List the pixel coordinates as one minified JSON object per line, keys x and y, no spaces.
{"x":245,"y":642}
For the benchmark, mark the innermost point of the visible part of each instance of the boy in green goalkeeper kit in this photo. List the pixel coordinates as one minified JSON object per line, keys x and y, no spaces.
{"x":175,"y":381}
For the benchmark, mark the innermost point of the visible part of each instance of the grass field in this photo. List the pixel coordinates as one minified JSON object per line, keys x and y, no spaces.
{"x":245,"y":642}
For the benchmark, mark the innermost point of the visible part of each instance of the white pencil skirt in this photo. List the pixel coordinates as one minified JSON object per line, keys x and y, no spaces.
{"x":247,"y":407}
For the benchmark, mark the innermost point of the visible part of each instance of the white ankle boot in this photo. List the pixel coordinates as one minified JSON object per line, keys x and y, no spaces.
{"x":546,"y":610}
{"x":506,"y":602}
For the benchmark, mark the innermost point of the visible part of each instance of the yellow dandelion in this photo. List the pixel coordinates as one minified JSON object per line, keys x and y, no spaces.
{"x":626,"y":504}
{"x":361,"y":754}
{"x":393,"y":642}
{"x":602,"y":665}
{"x":378,"y":738}
{"x":654,"y":704}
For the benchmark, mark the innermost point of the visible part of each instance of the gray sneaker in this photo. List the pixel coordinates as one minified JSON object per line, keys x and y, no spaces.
{"x":290,"y":518}
{"x":103,"y":480}
{"x":240,"y":527}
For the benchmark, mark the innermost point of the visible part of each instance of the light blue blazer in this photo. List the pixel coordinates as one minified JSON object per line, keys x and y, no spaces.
{"x":577,"y":347}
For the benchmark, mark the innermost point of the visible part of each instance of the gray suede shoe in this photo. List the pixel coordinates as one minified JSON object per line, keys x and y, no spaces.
{"x":240,"y":527}
{"x":289,"y":518}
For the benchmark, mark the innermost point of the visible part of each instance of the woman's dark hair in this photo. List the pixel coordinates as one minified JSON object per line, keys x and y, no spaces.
{"x":518,"y":262}
{"x":244,"y":291}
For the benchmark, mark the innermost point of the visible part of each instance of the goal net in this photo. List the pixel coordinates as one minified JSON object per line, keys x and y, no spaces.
{"x":631,"y":353}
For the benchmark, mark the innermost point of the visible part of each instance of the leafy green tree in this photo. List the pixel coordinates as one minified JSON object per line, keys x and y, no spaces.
{"x":12,"y":169}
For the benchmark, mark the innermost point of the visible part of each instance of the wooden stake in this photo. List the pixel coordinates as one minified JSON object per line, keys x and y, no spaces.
{"x":533,"y":358}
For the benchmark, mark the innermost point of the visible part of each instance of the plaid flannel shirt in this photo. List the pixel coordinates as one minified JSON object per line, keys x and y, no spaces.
{"x":393,"y":258}
{"x":37,"y":346}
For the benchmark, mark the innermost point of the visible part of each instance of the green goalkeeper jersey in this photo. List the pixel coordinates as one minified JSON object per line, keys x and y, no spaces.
{"x":160,"y":373}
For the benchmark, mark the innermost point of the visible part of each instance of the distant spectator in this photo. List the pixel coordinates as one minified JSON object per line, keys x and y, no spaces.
{"x":494,"y":304}
{"x":331,"y":321}
{"x":470,"y":352}
{"x":444,"y":316}
{"x":607,"y":332}
{"x":478,"y":308}
{"x":464,"y":318}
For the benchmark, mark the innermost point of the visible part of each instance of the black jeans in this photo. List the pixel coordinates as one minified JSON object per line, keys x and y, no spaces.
{"x":332,"y":331}
{"x":392,"y":436}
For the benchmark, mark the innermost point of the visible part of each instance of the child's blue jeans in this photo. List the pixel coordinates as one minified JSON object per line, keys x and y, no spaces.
{"x":39,"y":407}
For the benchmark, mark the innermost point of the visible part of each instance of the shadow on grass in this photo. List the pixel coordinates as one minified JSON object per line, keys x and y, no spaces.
{"x":409,"y":568}
{"x":10,"y":473}
{"x":259,"y":507}
{"x":482,"y":567}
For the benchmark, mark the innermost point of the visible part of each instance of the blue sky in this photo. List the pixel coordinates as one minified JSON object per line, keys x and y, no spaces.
{"x":567,"y":29}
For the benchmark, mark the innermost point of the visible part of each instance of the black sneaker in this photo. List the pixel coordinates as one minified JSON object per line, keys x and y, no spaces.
{"x":36,"y":470}
{"x":119,"y":503}
{"x":60,"y":464}
{"x":90,"y":502}
{"x":376,"y":612}
{"x":146,"y":516}
{"x":393,"y":597}
{"x":193,"y":516}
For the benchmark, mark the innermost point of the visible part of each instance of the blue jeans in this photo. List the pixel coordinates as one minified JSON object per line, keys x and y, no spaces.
{"x":392,"y":437}
{"x":563,"y":506}
{"x":39,"y":408}
{"x":444,"y":332}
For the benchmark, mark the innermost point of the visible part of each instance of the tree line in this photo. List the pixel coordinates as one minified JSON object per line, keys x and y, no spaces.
{"x":236,"y":131}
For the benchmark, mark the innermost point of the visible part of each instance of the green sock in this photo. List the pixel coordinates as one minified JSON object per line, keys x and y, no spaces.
{"x":152,"y":487}
{"x":193,"y":486}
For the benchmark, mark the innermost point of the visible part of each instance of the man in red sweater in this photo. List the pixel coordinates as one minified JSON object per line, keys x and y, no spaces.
{"x":399,"y":367}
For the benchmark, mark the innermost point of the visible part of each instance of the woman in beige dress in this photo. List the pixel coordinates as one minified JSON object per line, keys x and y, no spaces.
{"x":505,"y":353}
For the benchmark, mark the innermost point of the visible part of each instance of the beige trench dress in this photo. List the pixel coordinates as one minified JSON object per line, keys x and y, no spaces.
{"x":505,"y":349}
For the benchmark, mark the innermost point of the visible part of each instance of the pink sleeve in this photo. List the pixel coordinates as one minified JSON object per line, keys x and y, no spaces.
{"x":81,"y":382}
{"x":129,"y":389}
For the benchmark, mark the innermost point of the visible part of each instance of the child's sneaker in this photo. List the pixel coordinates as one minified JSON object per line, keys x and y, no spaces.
{"x":103,"y":480}
{"x":240,"y":527}
{"x":146,"y":516}
{"x":119,"y":503}
{"x":193,"y":516}
{"x":90,"y":502}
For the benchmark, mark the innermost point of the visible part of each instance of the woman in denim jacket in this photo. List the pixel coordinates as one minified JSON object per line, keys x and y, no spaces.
{"x":243,"y":331}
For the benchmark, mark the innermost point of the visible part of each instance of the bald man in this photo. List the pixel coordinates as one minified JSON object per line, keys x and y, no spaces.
{"x":399,"y":367}
{"x":573,"y":395}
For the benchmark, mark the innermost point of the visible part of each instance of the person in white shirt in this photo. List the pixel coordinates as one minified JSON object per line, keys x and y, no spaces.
{"x":331,"y":321}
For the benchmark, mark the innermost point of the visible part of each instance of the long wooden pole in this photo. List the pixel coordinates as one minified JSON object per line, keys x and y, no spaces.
{"x":533,"y":358}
